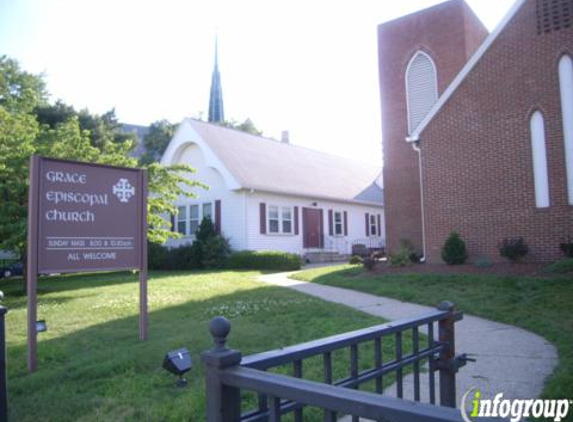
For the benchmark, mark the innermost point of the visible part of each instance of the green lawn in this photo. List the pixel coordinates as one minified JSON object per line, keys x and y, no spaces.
{"x":541,"y":305}
{"x":93,"y":368}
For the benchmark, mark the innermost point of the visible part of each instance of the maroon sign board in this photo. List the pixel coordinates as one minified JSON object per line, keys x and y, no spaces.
{"x":84,"y":217}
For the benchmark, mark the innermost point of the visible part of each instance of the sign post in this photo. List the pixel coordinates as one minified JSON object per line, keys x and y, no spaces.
{"x":84,"y":217}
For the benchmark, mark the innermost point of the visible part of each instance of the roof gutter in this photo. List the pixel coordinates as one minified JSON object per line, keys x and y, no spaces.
{"x":314,"y":197}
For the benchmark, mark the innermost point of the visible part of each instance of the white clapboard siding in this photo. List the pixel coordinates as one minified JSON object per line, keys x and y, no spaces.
{"x":421,"y":88}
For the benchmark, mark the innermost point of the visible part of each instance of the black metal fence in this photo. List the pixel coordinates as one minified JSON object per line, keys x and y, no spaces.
{"x":227,"y":373}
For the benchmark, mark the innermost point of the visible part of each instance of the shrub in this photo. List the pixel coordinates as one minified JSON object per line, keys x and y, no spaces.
{"x":413,"y":255}
{"x":513,"y":248}
{"x":181,"y":258}
{"x":562,"y":266}
{"x":400,"y":258}
{"x":567,"y":248}
{"x":209,"y":250}
{"x":355,"y":259}
{"x":454,"y":251}
{"x":215,"y":252}
{"x":156,"y":256}
{"x":368,"y":263}
{"x":264,"y":260}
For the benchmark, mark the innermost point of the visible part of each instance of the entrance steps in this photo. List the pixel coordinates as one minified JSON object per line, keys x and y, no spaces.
{"x":320,"y":257}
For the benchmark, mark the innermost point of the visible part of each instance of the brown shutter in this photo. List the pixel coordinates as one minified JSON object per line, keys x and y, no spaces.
{"x":345,"y":223}
{"x":304,"y":236}
{"x":173,"y":222}
{"x":367,"y":225}
{"x":321,"y":235}
{"x":218,"y":216}
{"x":330,"y":223}
{"x":295,"y":220}
{"x":263,"y":217}
{"x":379,"y":228}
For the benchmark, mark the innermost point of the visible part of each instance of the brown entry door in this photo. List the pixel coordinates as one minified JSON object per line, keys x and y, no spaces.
{"x":312,"y":226}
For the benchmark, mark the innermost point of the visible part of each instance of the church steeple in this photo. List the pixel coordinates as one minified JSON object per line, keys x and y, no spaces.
{"x":216,"y":113}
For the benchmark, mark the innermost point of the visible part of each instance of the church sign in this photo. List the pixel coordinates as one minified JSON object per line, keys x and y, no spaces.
{"x":85,"y":217}
{"x":89,"y":217}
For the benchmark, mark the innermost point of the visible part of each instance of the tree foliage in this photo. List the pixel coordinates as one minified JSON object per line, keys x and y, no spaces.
{"x":102,"y":129}
{"x":247,"y":126}
{"x":156,"y":140}
{"x":30,"y":125}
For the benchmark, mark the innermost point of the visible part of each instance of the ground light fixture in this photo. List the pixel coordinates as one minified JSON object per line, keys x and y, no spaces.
{"x":41,"y":326}
{"x":178,"y":362}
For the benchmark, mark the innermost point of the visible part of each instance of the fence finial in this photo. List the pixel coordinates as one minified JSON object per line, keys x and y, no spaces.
{"x":446,"y":306}
{"x":220,"y":328}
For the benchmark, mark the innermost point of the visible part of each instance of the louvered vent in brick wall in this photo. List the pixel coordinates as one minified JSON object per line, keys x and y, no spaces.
{"x":553,"y":15}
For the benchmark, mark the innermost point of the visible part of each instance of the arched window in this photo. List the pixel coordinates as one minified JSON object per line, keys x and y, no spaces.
{"x":421,"y":88}
{"x":537,"y":127}
{"x":566,"y":88}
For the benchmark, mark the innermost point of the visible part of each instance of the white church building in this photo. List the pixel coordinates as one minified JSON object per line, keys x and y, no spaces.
{"x":266,"y":194}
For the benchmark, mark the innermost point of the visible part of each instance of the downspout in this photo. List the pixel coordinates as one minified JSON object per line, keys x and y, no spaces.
{"x":419,"y":151}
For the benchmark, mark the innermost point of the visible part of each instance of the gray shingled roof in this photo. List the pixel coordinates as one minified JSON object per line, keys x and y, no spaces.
{"x":273,"y":166}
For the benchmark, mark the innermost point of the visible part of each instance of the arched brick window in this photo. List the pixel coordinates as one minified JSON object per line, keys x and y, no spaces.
{"x":566,"y":89}
{"x":421,"y":88}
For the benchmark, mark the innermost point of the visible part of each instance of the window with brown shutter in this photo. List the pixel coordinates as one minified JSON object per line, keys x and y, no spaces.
{"x":263,"y":217}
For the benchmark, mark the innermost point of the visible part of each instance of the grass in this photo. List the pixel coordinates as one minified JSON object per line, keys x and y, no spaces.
{"x":562,"y":266}
{"x":93,"y":368}
{"x":541,"y":305}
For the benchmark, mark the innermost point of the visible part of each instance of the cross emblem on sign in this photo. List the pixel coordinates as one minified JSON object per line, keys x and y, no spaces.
{"x":123,"y":190}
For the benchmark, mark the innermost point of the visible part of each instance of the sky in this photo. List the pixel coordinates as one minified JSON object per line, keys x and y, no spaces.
{"x":306,"y":66}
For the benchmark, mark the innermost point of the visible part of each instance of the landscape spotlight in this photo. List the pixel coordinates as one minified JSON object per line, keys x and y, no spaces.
{"x":41,"y":326}
{"x":178,"y":362}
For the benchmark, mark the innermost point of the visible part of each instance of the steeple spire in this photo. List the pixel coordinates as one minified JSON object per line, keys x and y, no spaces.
{"x":216,"y":113}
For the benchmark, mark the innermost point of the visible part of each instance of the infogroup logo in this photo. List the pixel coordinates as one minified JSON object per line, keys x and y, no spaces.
{"x":516,"y":409}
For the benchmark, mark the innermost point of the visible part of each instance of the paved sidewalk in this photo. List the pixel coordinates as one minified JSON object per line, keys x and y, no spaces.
{"x":510,"y":360}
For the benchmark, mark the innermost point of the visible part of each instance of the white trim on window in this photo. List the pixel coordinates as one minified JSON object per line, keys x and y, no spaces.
{"x":338,"y":223}
{"x":373,"y":225}
{"x":421,"y":88}
{"x":538,"y":148}
{"x":189,"y":217}
{"x":194,"y":219}
{"x":181,"y":221}
{"x":280,"y":220}
{"x":566,"y":90}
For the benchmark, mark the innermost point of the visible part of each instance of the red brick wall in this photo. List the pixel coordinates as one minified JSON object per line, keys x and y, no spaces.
{"x":449,"y":33}
{"x":477,"y":158}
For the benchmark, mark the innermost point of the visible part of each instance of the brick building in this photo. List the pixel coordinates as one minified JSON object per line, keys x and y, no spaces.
{"x":478,"y":128}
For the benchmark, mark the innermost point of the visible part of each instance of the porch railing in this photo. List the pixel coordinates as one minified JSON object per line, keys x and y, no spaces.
{"x":227,"y":373}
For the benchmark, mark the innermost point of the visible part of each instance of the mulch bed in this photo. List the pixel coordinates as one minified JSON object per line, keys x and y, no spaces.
{"x":501,"y":269}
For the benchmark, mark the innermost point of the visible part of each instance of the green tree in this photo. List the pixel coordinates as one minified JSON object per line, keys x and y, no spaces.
{"x":20,"y":91}
{"x":21,"y":135}
{"x":101,"y":129}
{"x":156,"y":140}
{"x":247,"y":126}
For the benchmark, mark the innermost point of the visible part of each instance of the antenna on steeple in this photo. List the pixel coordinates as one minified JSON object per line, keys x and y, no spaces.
{"x":216,"y":113}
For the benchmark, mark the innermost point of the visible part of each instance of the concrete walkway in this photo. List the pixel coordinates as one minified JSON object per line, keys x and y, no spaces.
{"x":510,"y":360}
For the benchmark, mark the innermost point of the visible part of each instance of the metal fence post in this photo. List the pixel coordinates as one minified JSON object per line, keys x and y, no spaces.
{"x":446,"y":360}
{"x":3,"y":375}
{"x":223,"y":402}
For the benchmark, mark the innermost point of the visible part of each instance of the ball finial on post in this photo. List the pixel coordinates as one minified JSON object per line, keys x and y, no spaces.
{"x":220,"y":328}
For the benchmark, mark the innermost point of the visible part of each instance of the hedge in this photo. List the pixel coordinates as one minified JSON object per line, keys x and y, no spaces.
{"x":264,"y":260}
